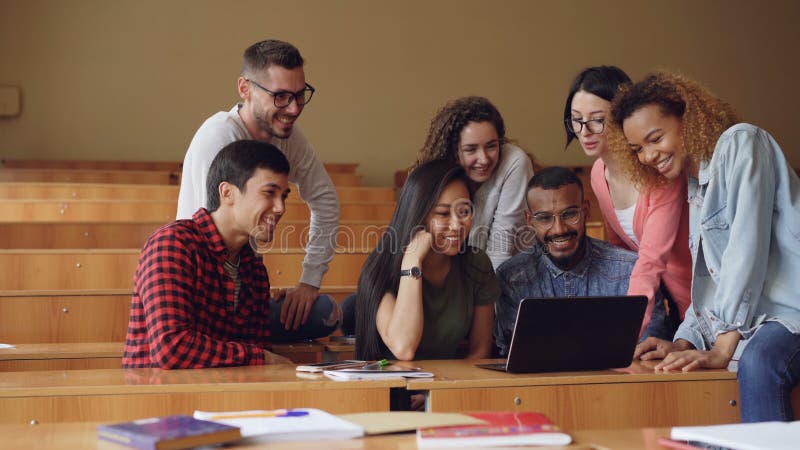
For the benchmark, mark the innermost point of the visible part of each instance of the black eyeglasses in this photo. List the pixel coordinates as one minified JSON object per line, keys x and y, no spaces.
{"x":545,"y":220}
{"x":282,"y":99}
{"x":595,"y":126}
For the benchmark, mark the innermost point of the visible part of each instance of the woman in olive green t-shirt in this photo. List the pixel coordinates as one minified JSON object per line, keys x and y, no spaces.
{"x":423,"y":291}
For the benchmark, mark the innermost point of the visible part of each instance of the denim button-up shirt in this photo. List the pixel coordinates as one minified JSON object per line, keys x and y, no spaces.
{"x":605,"y":270}
{"x":744,"y":213}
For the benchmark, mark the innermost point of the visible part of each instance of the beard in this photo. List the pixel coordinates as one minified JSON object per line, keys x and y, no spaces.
{"x":564,"y":262}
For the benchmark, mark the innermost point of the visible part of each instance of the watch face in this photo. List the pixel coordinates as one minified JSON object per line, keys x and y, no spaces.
{"x":414,"y":272}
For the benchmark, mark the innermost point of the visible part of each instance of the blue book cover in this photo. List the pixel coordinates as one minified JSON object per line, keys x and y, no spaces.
{"x":168,"y":433}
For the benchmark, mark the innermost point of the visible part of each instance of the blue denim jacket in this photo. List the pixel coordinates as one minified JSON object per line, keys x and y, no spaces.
{"x":744,"y":213}
{"x":606,"y":270}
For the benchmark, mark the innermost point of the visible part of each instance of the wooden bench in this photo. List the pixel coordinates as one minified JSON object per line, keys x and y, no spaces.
{"x":99,"y":191}
{"x":174,"y":166}
{"x":155,"y":210}
{"x":80,"y":315}
{"x":125,"y":176}
{"x":76,"y":164}
{"x":66,"y":235}
{"x":114,"y":268}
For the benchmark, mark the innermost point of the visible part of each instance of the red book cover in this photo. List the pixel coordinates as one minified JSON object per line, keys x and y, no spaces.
{"x":501,"y":429}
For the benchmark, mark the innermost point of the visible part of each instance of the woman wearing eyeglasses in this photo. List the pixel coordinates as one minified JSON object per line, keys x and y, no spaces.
{"x":469,"y":131}
{"x":651,"y":221}
{"x":745,"y":236}
{"x":423,"y":291}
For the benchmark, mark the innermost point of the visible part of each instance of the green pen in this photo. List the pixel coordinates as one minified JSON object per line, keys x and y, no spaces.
{"x":377,"y":364}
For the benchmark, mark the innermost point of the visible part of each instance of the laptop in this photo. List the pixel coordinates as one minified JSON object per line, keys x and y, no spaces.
{"x":564,"y":334}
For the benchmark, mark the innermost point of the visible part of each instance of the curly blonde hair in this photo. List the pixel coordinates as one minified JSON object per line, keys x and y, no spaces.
{"x":444,"y":133}
{"x":704,"y":117}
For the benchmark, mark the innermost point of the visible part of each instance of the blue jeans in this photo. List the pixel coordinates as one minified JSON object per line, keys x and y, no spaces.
{"x":663,"y":324}
{"x":322,"y":320}
{"x":769,"y":369}
{"x":349,"y":315}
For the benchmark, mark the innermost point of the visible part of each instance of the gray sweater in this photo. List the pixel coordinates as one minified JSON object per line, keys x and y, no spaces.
{"x":500,"y":206}
{"x":306,"y":170}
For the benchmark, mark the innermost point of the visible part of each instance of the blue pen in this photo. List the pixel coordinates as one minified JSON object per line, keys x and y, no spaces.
{"x":266,"y":414}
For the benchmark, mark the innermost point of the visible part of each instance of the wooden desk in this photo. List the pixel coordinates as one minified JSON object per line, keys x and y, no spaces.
{"x":126,"y":394}
{"x":69,"y":436}
{"x":108,"y":355}
{"x":623,"y":398}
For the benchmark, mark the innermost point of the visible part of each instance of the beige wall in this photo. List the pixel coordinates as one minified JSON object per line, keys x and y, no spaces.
{"x":114,"y":79}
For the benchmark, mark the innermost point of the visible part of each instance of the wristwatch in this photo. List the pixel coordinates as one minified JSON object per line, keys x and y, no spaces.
{"x":414,"y":272}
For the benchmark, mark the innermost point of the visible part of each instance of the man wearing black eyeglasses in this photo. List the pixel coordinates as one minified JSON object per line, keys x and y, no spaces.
{"x":274,"y":91}
{"x":565,"y":262}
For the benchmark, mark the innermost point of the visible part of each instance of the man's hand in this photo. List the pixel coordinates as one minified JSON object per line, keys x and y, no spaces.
{"x":655,"y":348}
{"x":274,"y":358}
{"x":297,"y":305}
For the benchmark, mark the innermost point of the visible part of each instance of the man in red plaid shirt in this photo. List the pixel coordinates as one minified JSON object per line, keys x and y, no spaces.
{"x":201,"y":295}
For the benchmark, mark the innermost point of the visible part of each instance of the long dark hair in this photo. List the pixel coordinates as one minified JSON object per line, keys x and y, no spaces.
{"x":381,"y":271}
{"x":602,"y":81}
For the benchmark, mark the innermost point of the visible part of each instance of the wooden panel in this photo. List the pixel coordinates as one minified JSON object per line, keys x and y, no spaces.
{"x":154,"y":210}
{"x":90,"y":176}
{"x":114,"y":269}
{"x":124,"y":394}
{"x":596,"y":230}
{"x":175,"y":166}
{"x":110,"y":408}
{"x":73,"y":235}
{"x":125,"y":176}
{"x":80,"y":316}
{"x":18,"y":365}
{"x":616,"y":405}
{"x":172,"y":166}
{"x":53,"y":319}
{"x":89,"y":191}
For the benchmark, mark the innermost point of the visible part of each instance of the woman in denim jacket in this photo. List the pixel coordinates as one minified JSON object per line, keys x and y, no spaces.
{"x":744,"y":236}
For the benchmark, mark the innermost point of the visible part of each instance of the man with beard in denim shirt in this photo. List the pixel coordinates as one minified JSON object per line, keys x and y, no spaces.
{"x":565,"y":262}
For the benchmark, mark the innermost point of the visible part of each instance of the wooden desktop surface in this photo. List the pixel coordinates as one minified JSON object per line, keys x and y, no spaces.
{"x":83,"y":435}
{"x":632,"y":397}
{"x":126,"y":394}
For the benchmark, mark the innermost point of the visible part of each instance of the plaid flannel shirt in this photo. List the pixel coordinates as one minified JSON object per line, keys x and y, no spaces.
{"x":182,"y":310}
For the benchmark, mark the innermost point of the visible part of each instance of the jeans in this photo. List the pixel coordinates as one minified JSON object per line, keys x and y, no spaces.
{"x":323,"y":320}
{"x":663,"y":324}
{"x":769,"y":369}
{"x":349,"y":315}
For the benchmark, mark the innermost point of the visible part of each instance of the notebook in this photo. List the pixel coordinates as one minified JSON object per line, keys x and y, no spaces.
{"x":573,"y":334}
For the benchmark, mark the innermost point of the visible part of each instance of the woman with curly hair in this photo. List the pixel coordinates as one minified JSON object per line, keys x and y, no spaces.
{"x":654,"y":222}
{"x":744,"y":236}
{"x":469,"y":131}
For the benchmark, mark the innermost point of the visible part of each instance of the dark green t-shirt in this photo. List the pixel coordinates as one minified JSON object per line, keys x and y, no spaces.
{"x":448,"y":310}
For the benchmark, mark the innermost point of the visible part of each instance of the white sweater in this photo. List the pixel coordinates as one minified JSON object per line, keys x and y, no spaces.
{"x":500,"y":206}
{"x":306,"y":170}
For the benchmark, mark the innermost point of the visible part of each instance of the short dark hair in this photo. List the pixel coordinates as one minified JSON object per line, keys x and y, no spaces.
{"x":237,"y":161}
{"x":262,"y":55}
{"x":553,"y":178}
{"x":602,"y":81}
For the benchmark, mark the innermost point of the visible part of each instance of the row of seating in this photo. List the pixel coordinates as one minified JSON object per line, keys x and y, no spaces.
{"x":70,"y":250}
